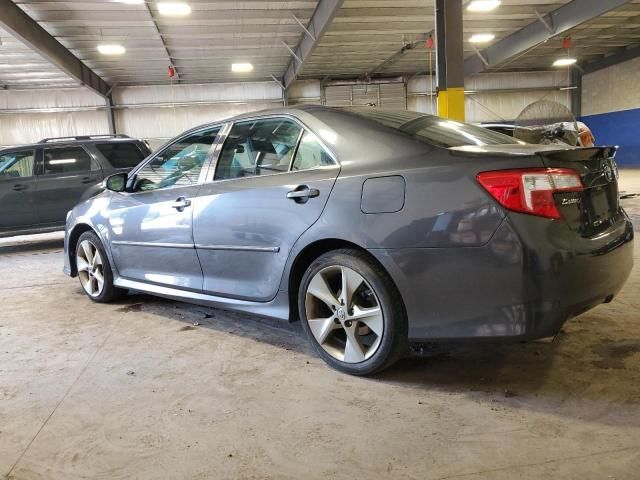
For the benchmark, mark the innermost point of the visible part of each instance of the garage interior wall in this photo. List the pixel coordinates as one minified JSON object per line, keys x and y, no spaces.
{"x":611,"y":108}
{"x":157,"y":113}
{"x":27,"y":116}
{"x":496,"y":97}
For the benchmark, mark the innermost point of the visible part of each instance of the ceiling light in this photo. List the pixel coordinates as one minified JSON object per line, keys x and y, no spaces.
{"x":174,"y":9}
{"x":241,"y":67}
{"x":482,"y":37}
{"x":483,"y":5}
{"x":564,"y":62}
{"x":131,"y":2}
{"x":111,"y":49}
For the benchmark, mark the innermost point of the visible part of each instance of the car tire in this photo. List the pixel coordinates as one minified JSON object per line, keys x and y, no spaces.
{"x":94,"y":269}
{"x":346,"y":331}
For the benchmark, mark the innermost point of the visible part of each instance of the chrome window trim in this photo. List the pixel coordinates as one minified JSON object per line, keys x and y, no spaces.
{"x":253,"y":177}
{"x":214,"y":163}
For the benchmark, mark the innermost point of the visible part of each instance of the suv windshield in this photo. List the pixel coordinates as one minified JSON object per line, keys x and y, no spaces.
{"x":434,"y":130}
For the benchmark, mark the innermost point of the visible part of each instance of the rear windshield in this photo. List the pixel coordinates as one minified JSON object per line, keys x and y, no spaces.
{"x":435,"y":130}
{"x":121,"y":154}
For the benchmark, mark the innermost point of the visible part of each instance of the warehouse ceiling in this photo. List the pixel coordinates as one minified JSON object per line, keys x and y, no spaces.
{"x":203,"y":45}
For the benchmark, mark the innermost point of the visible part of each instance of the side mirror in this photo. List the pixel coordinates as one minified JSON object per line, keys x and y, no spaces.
{"x":116,"y":182}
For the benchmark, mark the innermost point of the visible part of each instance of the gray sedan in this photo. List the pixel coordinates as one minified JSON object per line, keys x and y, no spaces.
{"x":373,"y":228}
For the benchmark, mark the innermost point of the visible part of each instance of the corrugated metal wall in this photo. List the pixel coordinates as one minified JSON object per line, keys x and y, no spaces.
{"x":160,"y":112}
{"x":156,"y":113}
{"x":391,"y":95}
{"x":496,"y":96}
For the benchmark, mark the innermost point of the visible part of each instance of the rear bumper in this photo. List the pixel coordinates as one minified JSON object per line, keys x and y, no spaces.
{"x":516,"y":287}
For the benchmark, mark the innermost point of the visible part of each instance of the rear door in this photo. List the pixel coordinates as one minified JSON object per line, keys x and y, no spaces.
{"x":17,"y":190}
{"x":266,"y":191}
{"x":64,"y":174}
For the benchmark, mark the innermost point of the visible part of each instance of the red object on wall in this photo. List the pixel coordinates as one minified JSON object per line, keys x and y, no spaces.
{"x":430,"y":42}
{"x":566,"y":43}
{"x":171,"y":71}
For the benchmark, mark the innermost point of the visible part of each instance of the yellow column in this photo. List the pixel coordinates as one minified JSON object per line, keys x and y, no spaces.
{"x":451,"y":104}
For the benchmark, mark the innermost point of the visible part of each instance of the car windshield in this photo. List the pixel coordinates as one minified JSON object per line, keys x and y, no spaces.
{"x":434,"y":130}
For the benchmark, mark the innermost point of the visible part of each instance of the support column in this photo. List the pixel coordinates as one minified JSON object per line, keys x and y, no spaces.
{"x":450,"y":59}
{"x":111,"y":120}
{"x":576,"y":93}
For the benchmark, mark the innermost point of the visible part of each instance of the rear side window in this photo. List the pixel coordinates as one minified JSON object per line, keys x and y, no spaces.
{"x":16,"y":165}
{"x":310,"y":154}
{"x":66,"y":160}
{"x":121,"y":154}
{"x":449,"y":133}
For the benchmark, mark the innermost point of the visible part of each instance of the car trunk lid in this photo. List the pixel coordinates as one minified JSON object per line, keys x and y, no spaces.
{"x":597,"y":207}
{"x":588,"y":212}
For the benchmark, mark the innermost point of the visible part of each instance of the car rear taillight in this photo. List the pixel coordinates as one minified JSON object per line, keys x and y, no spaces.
{"x":530,"y":190}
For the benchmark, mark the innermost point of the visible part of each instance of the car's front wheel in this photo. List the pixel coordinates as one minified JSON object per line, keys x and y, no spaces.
{"x":352,"y":312}
{"x":94,"y":270}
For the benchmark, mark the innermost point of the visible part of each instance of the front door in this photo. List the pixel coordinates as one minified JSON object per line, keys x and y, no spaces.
{"x":17,"y":191}
{"x":151,"y":228}
{"x":266,"y":192}
{"x":64,"y":175}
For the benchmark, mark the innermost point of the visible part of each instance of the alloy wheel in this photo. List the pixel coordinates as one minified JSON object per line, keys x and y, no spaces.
{"x":344,"y":314}
{"x":90,"y":268}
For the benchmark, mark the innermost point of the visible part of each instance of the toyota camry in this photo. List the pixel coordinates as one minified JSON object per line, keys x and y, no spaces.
{"x":373,"y":228}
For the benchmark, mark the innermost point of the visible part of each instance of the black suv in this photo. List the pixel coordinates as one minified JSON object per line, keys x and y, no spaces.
{"x":40,"y":183}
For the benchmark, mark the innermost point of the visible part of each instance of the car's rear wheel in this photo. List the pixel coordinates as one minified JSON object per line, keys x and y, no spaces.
{"x":94,"y":270}
{"x":352,"y":312}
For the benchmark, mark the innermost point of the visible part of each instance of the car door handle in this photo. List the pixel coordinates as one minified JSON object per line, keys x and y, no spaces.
{"x":89,"y":180}
{"x":19,"y":187}
{"x":181,"y":203}
{"x":302,"y":193}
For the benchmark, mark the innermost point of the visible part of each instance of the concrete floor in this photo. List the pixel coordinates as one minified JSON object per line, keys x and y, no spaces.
{"x":149,"y":388}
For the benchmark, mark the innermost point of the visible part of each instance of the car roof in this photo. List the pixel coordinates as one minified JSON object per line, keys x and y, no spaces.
{"x":307,"y":112}
{"x":71,"y":140}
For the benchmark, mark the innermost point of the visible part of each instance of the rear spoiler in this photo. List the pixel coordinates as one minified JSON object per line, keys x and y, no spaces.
{"x":581,"y":154}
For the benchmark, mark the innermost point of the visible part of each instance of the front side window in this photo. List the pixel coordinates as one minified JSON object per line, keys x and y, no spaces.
{"x":121,"y":154}
{"x":310,"y":154}
{"x":178,"y":164}
{"x":16,"y":165}
{"x":258,"y":147}
{"x":66,"y":160}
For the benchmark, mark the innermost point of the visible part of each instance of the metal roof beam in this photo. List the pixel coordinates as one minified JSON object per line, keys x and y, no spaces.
{"x":29,"y":32}
{"x":623,"y":55}
{"x":164,"y":44}
{"x":322,"y":17}
{"x":393,"y":58}
{"x":562,"y":20}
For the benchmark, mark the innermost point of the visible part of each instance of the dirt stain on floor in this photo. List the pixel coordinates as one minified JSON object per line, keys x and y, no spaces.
{"x":613,"y":354}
